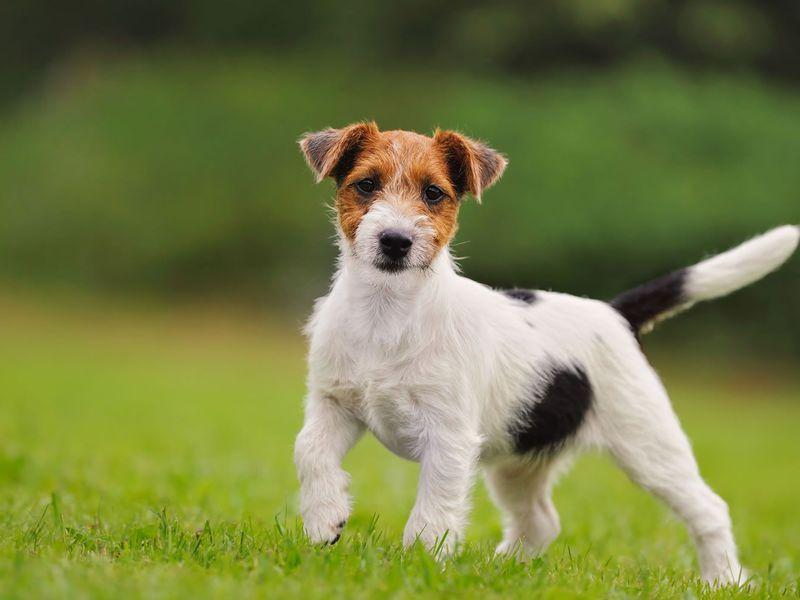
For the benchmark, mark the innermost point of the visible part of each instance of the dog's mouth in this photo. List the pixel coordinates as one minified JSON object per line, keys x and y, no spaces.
{"x":388,"y":265}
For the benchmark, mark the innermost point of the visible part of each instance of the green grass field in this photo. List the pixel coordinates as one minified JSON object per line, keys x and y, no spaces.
{"x":147,"y":452}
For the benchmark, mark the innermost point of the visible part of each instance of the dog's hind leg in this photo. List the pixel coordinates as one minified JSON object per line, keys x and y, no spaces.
{"x":644,"y":436}
{"x":522,"y":490}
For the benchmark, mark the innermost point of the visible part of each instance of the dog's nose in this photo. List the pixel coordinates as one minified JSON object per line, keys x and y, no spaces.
{"x":394,"y":244}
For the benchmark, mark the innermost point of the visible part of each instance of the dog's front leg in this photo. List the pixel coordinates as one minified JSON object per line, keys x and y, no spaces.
{"x":327,"y":435}
{"x":447,"y":472}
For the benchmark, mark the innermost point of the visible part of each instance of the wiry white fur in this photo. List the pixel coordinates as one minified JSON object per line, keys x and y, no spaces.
{"x":438,"y":367}
{"x":393,"y":214}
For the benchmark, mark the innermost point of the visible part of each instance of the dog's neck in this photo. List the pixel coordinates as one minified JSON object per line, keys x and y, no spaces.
{"x":391,"y":298}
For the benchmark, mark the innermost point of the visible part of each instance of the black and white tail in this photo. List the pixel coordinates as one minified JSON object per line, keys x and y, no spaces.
{"x":646,"y":305}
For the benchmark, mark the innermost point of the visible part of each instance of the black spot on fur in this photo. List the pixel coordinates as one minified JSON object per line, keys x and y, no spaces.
{"x":458,"y":174}
{"x":526,"y":296}
{"x":346,"y":163}
{"x":551,"y":416}
{"x":644,"y":303}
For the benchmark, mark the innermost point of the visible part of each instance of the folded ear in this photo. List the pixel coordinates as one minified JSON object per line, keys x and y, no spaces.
{"x":333,"y":152}
{"x":473,"y":166}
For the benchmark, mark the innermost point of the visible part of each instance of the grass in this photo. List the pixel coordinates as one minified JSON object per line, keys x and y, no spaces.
{"x":147,"y":452}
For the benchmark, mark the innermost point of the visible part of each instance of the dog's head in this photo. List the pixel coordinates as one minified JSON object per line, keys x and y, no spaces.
{"x":398,"y":192}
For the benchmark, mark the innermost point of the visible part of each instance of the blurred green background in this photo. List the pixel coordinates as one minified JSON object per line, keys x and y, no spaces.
{"x":148,"y":148}
{"x":161,"y":242}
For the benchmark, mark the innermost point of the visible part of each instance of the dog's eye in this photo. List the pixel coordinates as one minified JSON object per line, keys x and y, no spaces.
{"x":433,"y":194}
{"x":366,"y":186}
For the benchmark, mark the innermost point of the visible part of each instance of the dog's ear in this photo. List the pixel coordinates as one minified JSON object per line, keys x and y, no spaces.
{"x":333,"y":152}
{"x":472,"y":165}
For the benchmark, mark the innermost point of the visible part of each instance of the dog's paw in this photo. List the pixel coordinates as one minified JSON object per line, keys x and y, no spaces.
{"x":323,"y":521}
{"x":507,"y":547}
{"x":735,"y":576}
{"x":519,"y":548}
{"x":323,"y":531}
{"x":515,"y":548}
{"x":325,"y":506}
{"x":438,"y":539}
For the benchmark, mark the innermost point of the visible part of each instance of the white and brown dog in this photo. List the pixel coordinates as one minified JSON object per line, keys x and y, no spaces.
{"x":455,"y":375}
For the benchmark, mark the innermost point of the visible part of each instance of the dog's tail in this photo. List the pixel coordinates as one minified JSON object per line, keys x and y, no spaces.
{"x":646,"y":305}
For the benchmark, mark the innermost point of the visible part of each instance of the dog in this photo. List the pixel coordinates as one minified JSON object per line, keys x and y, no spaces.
{"x":458,"y":376}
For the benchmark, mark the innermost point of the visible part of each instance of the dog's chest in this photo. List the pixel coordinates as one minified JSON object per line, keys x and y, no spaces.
{"x":393,"y":415}
{"x":390,"y":387}
{"x":392,"y":401}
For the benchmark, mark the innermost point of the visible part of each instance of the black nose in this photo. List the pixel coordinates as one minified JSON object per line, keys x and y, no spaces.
{"x":394,"y":244}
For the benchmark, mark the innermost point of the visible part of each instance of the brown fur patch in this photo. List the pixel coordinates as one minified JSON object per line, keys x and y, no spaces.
{"x":472,"y":165}
{"x":444,"y":218}
{"x":350,"y":209}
